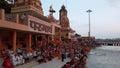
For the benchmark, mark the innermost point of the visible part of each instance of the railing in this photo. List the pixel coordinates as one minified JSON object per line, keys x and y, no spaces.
{"x":110,"y":43}
{"x":15,"y":18}
{"x":10,"y":17}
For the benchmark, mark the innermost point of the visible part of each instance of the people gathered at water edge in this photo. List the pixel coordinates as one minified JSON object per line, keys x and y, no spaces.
{"x":76,"y":51}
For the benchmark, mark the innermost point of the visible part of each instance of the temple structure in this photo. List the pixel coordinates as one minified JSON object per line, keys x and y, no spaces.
{"x":27,"y":27}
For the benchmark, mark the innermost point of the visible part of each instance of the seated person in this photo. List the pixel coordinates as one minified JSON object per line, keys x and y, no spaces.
{"x":7,"y":63}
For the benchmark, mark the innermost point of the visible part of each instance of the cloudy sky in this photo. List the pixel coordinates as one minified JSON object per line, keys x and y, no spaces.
{"x":105,"y":18}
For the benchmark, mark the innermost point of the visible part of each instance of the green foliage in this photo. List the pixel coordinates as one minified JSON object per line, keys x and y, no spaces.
{"x":6,"y":6}
{"x":78,"y":35}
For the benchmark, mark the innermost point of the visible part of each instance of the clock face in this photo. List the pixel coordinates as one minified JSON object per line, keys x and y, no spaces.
{"x":64,"y":21}
{"x":62,"y":13}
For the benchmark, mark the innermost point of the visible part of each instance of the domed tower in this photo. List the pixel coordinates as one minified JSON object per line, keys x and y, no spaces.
{"x":64,"y":21}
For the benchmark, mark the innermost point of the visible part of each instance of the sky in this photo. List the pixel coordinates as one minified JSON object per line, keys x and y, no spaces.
{"x":105,"y":22}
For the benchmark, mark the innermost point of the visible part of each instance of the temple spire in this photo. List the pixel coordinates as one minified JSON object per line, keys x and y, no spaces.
{"x":27,"y":5}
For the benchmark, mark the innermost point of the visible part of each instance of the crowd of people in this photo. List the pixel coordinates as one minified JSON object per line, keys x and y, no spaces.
{"x":73,"y":50}
{"x":78,"y":56}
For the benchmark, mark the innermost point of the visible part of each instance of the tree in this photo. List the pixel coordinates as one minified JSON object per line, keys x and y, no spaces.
{"x":6,"y":6}
{"x":77,"y":35}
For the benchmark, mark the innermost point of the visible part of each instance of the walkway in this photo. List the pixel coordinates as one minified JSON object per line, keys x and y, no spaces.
{"x":55,"y":63}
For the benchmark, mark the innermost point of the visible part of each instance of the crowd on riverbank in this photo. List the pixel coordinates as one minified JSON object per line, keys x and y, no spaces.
{"x":78,"y":60}
{"x":76,"y":51}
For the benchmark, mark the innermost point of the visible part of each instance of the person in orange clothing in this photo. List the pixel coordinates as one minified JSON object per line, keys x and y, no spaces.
{"x":87,"y":49}
{"x":7,"y":63}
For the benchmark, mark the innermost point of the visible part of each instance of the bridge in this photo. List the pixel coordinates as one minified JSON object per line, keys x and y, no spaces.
{"x":109,"y":42}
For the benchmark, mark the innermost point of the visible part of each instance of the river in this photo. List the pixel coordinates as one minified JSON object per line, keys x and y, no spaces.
{"x":104,"y":57}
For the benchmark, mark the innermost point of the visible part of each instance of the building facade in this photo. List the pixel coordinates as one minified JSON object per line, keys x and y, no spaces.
{"x":26,"y":26}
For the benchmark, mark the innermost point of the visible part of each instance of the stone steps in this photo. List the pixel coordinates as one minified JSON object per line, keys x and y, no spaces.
{"x":28,"y":65}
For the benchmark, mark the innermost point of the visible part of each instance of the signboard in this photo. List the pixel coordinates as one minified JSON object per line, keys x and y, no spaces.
{"x":38,"y":27}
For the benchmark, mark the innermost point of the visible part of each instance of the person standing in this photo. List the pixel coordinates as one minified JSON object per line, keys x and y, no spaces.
{"x":63,"y":54}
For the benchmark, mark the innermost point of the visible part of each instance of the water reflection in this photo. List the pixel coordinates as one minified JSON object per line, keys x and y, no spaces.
{"x":104,"y":57}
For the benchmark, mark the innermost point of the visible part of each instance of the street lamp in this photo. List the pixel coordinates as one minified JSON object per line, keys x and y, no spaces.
{"x":89,"y":11}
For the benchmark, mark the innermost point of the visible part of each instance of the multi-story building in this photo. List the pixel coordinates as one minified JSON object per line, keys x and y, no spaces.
{"x":26,"y":26}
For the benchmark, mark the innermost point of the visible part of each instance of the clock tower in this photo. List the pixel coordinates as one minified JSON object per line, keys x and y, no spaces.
{"x":64,"y":21}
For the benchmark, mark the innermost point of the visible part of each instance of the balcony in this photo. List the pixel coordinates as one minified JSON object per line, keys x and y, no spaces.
{"x":11,"y":21}
{"x":10,"y":17}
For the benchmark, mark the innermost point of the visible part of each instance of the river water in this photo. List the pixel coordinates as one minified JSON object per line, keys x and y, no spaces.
{"x":104,"y":57}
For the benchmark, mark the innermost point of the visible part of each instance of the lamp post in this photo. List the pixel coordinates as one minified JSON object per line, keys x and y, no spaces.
{"x":89,"y":33}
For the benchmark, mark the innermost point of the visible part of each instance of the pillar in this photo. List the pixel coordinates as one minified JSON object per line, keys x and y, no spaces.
{"x":2,"y":14}
{"x":29,"y":40}
{"x":14,"y":41}
{"x":52,"y":37}
{"x":0,"y":43}
{"x":17,"y":18}
{"x":60,"y":34}
{"x":47,"y":38}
